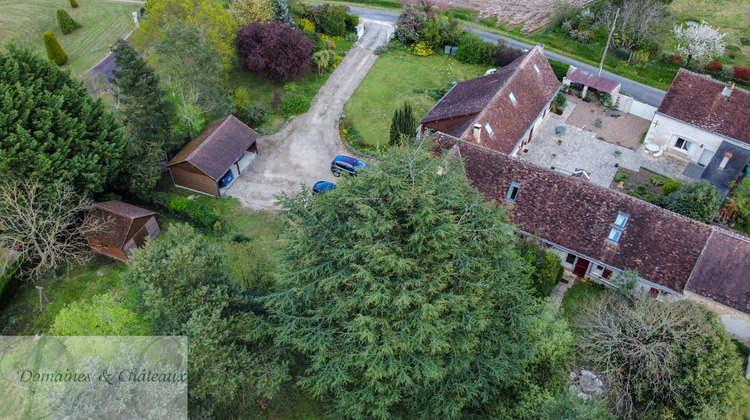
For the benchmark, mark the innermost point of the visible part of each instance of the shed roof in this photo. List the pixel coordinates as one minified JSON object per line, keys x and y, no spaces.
{"x":597,"y":82}
{"x":578,"y":215}
{"x":118,"y":217}
{"x":486,"y":101}
{"x":722,"y":273}
{"x":217,"y":147}
{"x":697,"y":99}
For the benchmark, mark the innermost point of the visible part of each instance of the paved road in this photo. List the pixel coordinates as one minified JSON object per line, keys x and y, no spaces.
{"x":639,"y":91}
{"x":301,"y":153}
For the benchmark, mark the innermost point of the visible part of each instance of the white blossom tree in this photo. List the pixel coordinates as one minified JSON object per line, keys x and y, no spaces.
{"x":701,"y":42}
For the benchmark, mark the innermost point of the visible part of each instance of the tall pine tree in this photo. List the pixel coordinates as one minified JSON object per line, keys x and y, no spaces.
{"x":403,"y":125}
{"x":146,"y":116}
{"x":51,"y":128}
{"x":405,"y":292}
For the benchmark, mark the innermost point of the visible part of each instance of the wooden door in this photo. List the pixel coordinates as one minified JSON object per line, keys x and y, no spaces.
{"x":582,"y":265}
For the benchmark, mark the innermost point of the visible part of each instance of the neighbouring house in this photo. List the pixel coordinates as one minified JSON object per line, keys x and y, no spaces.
{"x":598,"y":231}
{"x":204,"y":164}
{"x":126,"y":227}
{"x":705,"y":122}
{"x":500,"y":110}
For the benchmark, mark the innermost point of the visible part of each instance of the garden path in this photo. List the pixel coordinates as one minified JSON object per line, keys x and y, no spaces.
{"x":302,"y":151}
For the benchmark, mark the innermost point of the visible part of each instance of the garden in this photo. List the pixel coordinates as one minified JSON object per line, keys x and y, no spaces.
{"x":644,"y":184}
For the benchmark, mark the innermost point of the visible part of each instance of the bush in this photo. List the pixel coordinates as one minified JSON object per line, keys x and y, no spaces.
{"x":622,"y":54}
{"x":545,"y":268}
{"x":732,"y":48}
{"x":409,"y":26}
{"x":560,"y":68}
{"x":317,"y":40}
{"x":742,"y":73}
{"x":306,"y":25}
{"x":714,"y":67}
{"x":351,"y":21}
{"x":332,"y":20}
{"x":351,"y":37}
{"x":295,"y":104}
{"x":274,"y":50}
{"x":745,"y":41}
{"x":726,"y":72}
{"x":471,"y":48}
{"x":73,"y":3}
{"x":55,"y":52}
{"x":667,"y":56}
{"x":10,"y":281}
{"x":201,"y":217}
{"x":421,"y":49}
{"x":506,"y":55}
{"x":385,"y":48}
{"x":253,"y":116}
{"x":699,"y":200}
{"x":66,"y":23}
{"x":677,"y":58}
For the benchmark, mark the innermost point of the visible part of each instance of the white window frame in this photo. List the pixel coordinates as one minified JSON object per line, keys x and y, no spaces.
{"x":488,"y":128}
{"x":517,"y":187}
{"x":685,"y":142}
{"x":567,"y":264}
{"x":512,"y":98}
{"x":618,"y":227}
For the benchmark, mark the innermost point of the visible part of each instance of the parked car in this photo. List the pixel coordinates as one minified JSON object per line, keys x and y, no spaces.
{"x":348,"y":165}
{"x":323,"y":186}
{"x":226,"y":179}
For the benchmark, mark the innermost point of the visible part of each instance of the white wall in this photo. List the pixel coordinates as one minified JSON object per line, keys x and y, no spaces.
{"x":631,"y":106}
{"x":664,"y":132}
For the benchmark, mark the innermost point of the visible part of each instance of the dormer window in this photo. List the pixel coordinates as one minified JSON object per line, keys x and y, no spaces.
{"x":512,"y":98}
{"x":618,"y":227}
{"x":488,"y":128}
{"x":513,"y":191}
{"x":536,"y":68}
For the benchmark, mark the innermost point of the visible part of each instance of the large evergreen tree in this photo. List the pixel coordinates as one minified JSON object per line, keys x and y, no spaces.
{"x":51,"y":128}
{"x":146,"y":117}
{"x":403,"y":124}
{"x":404,"y":290}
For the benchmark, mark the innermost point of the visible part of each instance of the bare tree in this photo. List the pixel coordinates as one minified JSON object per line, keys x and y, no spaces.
{"x":638,"y":21}
{"x":701,"y":42}
{"x":45,"y":225}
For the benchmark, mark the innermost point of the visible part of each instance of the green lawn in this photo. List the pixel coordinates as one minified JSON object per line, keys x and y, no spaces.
{"x":391,"y":82}
{"x":24,"y":22}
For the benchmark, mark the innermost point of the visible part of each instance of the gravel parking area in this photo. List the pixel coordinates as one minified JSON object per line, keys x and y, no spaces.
{"x":625,"y":130}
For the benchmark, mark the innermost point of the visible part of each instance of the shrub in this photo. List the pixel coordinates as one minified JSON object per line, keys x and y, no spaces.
{"x":352,"y":37}
{"x":545,"y":268}
{"x":351,"y":21}
{"x":742,"y":73}
{"x":699,"y":200}
{"x":73,"y":3}
{"x":274,"y":50}
{"x":622,"y":54}
{"x":506,"y":55}
{"x":295,"y":104}
{"x":421,"y":49}
{"x":560,"y":68}
{"x":432,"y":32}
{"x":332,"y":20}
{"x":241,"y":98}
{"x":677,"y":58}
{"x":317,"y":40}
{"x":714,"y":67}
{"x":65,"y":22}
{"x":384,"y":48}
{"x":253,"y":116}
{"x":470,"y":48}
{"x":10,"y":281}
{"x":598,"y":122}
{"x":745,"y":41}
{"x":667,"y":56}
{"x":409,"y":26}
{"x":732,"y":48}
{"x":55,"y":52}
{"x":201,"y":217}
{"x":306,"y":25}
{"x":584,"y":36}
{"x":727,"y":72}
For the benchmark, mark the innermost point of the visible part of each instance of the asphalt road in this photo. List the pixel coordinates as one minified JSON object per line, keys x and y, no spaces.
{"x":639,"y":91}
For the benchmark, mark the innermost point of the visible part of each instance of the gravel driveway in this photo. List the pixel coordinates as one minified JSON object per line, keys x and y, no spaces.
{"x":302,"y":151}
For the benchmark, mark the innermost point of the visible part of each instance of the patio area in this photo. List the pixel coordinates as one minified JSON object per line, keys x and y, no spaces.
{"x":578,"y":148}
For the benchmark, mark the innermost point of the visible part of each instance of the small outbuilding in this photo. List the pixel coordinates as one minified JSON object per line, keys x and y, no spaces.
{"x":205,"y":163}
{"x":125,"y":227}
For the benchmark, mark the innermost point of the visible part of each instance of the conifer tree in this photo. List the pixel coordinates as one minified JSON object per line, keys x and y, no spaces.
{"x":403,"y":124}
{"x":146,"y":117}
{"x":51,"y":128}
{"x":55,"y":53}
{"x":73,"y":3}
{"x":404,"y":291}
{"x":66,"y":23}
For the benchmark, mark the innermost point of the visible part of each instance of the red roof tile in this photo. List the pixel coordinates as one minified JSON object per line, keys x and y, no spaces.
{"x":486,"y":100}
{"x":599,"y":83}
{"x":698,"y":100}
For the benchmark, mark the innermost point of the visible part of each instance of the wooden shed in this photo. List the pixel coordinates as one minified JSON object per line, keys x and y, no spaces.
{"x":127,"y":227}
{"x":219,"y":148}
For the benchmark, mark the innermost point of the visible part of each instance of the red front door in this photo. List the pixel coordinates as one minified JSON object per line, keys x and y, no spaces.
{"x":581,"y":266}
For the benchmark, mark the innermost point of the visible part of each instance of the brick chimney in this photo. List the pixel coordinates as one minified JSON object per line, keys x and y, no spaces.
{"x":477,"y":133}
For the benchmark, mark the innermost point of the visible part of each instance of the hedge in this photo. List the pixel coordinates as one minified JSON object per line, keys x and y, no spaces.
{"x":560,"y":68}
{"x":201,"y":217}
{"x":54,"y":51}
{"x":66,"y":23}
{"x":9,"y":282}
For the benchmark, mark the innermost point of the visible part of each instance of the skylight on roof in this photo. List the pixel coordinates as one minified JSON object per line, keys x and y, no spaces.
{"x":536,"y":68}
{"x":512,"y":98}
{"x":488,"y":128}
{"x":618,"y":227}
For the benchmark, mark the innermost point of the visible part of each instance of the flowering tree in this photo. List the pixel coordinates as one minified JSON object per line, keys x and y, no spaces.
{"x":413,"y":19}
{"x":701,"y":42}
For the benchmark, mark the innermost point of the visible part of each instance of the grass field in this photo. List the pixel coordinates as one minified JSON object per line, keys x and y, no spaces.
{"x":392,"y":81}
{"x":24,"y":22}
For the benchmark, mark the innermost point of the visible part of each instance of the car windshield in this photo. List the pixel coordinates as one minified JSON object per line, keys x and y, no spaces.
{"x":361,"y":164}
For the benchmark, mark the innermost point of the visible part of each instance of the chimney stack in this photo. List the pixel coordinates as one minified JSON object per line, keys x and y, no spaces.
{"x":477,"y":133}
{"x":727,"y":91}
{"x":724,"y":161}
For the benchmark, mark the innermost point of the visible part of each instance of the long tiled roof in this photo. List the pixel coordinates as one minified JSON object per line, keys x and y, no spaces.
{"x":570,"y":212}
{"x":486,"y":100}
{"x":217,"y":147}
{"x":697,"y":99}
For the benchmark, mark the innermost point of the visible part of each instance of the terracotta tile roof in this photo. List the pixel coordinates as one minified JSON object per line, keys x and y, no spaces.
{"x":578,"y":215}
{"x":215,"y":149}
{"x":486,"y":100}
{"x":599,"y":83}
{"x":698,"y":100}
{"x":118,"y":217}
{"x":722,"y":273}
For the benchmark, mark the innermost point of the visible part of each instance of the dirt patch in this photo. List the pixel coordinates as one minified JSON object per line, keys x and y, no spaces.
{"x":618,"y":128}
{"x":532,"y":14}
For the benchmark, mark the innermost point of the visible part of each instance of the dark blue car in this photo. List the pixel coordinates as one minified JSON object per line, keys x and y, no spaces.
{"x":347,"y":165}
{"x":226,"y":179}
{"x":323,"y":186}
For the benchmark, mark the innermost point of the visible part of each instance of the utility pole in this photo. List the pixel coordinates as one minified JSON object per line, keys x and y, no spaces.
{"x":608,"y":39}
